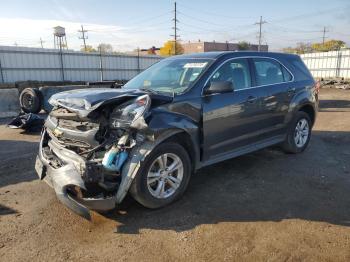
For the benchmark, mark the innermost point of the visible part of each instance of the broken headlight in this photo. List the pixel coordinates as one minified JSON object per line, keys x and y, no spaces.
{"x":126,"y":114}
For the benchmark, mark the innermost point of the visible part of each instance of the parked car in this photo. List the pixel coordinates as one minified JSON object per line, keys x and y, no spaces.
{"x":179,"y":115}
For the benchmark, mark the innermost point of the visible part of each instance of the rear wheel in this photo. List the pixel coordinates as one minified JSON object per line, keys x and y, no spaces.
{"x":299,"y":134}
{"x":163,"y":176}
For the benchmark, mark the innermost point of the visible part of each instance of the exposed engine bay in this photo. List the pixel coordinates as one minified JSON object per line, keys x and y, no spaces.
{"x":86,"y":143}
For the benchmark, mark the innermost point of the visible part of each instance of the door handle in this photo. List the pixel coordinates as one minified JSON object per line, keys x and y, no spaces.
{"x":251,"y":99}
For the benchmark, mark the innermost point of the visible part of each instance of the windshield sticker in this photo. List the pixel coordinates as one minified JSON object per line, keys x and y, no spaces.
{"x":195,"y":65}
{"x":146,"y":83}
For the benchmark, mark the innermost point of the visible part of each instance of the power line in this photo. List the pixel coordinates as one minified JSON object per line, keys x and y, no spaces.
{"x":151,"y":18}
{"x":213,"y":14}
{"x":292,"y":30}
{"x":83,"y":36}
{"x":260,"y":23}
{"x":200,"y":20}
{"x":310,"y":15}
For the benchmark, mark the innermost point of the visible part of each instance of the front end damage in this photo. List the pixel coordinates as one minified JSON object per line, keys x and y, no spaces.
{"x":90,"y":151}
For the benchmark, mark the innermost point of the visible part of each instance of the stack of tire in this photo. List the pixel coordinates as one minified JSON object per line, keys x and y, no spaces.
{"x":33,"y":100}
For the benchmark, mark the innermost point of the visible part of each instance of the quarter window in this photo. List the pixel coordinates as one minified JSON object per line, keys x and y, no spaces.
{"x":270,"y":72}
{"x":235,"y":71}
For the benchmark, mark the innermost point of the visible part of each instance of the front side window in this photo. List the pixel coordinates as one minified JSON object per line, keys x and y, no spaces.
{"x":235,"y":71}
{"x":268,"y":71}
{"x":172,"y":76}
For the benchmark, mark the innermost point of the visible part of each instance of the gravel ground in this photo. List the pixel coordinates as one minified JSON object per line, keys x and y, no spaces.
{"x":263,"y":206}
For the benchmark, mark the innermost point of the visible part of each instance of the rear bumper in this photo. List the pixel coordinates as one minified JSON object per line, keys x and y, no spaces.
{"x":67,"y":176}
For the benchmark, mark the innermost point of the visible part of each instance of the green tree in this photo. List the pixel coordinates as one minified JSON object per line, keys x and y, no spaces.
{"x":300,"y":48}
{"x":89,"y":49}
{"x":330,"y":45}
{"x":169,"y":48}
{"x":243,"y":45}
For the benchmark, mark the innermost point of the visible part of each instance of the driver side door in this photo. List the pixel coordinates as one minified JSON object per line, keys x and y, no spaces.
{"x":230,"y":120}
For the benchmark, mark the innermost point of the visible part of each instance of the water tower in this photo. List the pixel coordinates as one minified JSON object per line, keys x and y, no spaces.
{"x":60,"y":40}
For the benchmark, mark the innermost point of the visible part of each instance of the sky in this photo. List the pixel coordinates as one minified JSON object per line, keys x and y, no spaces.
{"x":127,"y":25}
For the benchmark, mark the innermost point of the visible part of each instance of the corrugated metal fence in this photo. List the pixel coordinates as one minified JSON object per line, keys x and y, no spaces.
{"x":328,"y":64}
{"x":22,"y":63}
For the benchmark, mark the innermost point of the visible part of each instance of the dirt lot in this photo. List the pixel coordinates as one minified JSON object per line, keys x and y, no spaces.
{"x":264,"y":206}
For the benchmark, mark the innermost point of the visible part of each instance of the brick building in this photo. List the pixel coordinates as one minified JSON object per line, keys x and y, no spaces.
{"x":199,"y":47}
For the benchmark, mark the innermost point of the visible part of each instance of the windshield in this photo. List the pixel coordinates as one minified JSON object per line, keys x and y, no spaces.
{"x":169,"y":75}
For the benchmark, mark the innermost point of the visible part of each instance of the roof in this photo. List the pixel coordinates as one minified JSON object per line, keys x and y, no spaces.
{"x":217,"y":54}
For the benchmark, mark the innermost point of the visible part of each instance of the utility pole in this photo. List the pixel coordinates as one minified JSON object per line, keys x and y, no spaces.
{"x":101,"y":62}
{"x":41,"y":43}
{"x":175,"y":35}
{"x":83,"y":36}
{"x":138,"y":59}
{"x":324,"y":34}
{"x":260,"y":23}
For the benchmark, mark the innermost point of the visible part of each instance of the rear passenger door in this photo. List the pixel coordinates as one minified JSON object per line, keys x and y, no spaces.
{"x":275,"y":83}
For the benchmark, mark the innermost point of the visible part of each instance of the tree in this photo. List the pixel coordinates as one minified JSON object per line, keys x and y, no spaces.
{"x":243,"y":45}
{"x":289,"y":49}
{"x":301,"y":48}
{"x":169,"y":48}
{"x":105,"y":48}
{"x":89,"y":49}
{"x":330,"y":45}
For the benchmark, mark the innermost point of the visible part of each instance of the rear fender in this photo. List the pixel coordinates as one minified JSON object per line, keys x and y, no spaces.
{"x":301,"y":99}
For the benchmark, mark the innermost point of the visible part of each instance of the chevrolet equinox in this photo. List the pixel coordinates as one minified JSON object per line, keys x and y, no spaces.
{"x":181,"y":114}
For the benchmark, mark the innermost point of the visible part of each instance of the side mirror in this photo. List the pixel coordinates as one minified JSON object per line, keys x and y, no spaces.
{"x":219,"y":87}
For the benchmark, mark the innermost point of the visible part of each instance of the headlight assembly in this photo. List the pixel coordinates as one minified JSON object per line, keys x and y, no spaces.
{"x":126,"y":114}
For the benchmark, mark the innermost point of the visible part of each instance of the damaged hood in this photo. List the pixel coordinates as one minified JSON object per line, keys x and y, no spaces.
{"x":84,"y":101}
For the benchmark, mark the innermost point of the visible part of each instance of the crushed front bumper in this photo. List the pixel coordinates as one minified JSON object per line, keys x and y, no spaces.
{"x":68,"y":175}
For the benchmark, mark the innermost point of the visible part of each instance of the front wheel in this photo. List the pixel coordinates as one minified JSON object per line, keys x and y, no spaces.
{"x":299,"y":133}
{"x":163,"y":176}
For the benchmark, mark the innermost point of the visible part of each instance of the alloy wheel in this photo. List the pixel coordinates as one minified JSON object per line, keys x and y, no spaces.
{"x":301,"y":133}
{"x":165,"y":175}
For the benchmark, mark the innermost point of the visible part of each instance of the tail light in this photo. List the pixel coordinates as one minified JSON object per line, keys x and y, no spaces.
{"x":317,"y":86}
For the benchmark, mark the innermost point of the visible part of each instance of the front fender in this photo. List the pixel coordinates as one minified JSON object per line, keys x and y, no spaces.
{"x":165,"y":124}
{"x":161,"y":126}
{"x":136,"y":156}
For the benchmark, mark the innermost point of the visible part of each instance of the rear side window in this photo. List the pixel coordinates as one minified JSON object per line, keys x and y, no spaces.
{"x":235,"y":71}
{"x":300,"y":68}
{"x":268,"y":71}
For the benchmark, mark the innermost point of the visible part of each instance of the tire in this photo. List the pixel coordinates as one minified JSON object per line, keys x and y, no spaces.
{"x":291,"y":145}
{"x":31,"y":100}
{"x":143,"y":192}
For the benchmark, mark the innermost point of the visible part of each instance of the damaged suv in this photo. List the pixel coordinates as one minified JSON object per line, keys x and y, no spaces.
{"x":179,"y":115}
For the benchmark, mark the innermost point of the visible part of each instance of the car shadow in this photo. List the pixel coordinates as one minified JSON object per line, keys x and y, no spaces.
{"x":17,"y":159}
{"x":330,"y":105}
{"x":4,"y":210}
{"x":267,"y":185}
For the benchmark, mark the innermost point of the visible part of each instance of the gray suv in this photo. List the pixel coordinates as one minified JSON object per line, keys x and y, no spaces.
{"x":179,"y":115}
